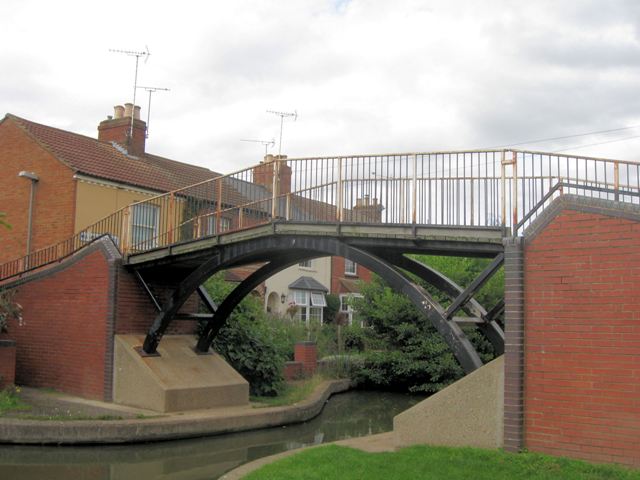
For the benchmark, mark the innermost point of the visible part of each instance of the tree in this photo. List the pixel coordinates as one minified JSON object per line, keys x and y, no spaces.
{"x":414,"y":356}
{"x":249,"y":341}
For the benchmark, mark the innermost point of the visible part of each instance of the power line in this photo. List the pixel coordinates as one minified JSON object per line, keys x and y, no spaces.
{"x":596,"y":144}
{"x":550,"y":139}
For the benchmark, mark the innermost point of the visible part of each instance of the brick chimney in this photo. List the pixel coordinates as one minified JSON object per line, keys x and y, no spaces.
{"x":367,"y":210}
{"x":263,"y":173}
{"x":117,"y":129}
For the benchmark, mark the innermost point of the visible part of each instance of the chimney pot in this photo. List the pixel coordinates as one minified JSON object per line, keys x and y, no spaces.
{"x":128,"y":109}
{"x":118,"y":111}
{"x":136,"y":112}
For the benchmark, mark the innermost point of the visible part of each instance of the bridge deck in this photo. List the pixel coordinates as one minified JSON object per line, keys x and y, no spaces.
{"x":426,"y":239}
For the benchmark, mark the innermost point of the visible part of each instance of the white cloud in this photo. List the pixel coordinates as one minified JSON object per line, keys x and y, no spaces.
{"x":365,"y":75}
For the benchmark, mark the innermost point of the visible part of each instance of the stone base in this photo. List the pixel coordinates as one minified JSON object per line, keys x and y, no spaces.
{"x":469,"y":412}
{"x":176,"y":380}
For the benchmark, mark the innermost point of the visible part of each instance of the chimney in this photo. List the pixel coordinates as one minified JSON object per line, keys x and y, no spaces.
{"x":367,"y":210}
{"x":263,"y":173}
{"x":118,"y":129}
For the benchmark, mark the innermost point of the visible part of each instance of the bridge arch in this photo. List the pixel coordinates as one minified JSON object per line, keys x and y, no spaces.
{"x":282,"y":251}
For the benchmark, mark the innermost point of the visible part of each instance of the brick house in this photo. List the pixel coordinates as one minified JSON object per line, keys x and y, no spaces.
{"x":55,"y":183}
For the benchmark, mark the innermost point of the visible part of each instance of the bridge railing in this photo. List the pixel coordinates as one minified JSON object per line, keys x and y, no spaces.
{"x":494,"y":188}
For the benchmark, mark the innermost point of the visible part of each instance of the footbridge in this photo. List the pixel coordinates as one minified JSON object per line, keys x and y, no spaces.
{"x":375,"y":210}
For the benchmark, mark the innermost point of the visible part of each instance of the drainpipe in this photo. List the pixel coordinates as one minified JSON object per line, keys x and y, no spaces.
{"x":34,"y":179}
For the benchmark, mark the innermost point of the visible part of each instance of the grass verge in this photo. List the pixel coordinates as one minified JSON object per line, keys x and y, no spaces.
{"x":292,"y":393}
{"x":422,"y":462}
{"x":10,"y":400}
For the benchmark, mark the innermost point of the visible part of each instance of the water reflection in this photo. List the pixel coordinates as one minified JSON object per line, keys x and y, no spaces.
{"x":347,"y":415}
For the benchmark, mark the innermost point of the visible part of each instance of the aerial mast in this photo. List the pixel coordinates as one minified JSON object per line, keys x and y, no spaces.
{"x":282,"y":115}
{"x":132,"y":53}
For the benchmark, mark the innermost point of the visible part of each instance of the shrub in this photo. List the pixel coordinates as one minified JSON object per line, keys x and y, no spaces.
{"x":354,"y":338}
{"x":414,"y":356}
{"x":251,"y":342}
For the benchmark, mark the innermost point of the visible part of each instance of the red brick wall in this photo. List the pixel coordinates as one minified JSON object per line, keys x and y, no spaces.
{"x":306,"y":353}
{"x":54,"y":209}
{"x":337,"y":272}
{"x":582,"y":338}
{"x":62,"y":342}
{"x":135,"y":311}
{"x":7,"y":363}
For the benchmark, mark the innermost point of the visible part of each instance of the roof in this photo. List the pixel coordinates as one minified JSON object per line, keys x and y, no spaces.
{"x":307,"y":283}
{"x":349,"y":285}
{"x":104,"y":160}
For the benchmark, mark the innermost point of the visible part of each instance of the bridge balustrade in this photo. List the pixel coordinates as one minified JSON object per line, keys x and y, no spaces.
{"x":493,"y":188}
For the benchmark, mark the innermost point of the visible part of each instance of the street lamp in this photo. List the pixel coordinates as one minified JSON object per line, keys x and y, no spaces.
{"x":34,"y":179}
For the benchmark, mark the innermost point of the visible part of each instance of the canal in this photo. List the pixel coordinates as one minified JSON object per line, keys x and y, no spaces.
{"x":347,"y":415}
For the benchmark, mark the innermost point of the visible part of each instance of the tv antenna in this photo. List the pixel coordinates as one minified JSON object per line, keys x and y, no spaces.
{"x":151,"y":90}
{"x":132,"y":53}
{"x":282,"y":115}
{"x":266,"y":143}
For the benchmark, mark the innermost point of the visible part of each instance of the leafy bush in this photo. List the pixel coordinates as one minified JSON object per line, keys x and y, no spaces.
{"x":251,"y":342}
{"x":414,"y":356}
{"x":355,"y":338}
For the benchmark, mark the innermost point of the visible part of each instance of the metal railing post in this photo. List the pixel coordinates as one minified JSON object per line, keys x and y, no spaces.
{"x":616,"y":180}
{"x":340,"y":213}
{"x":126,"y":230}
{"x":515,"y":188}
{"x":414,"y":190}
{"x":219,"y":207}
{"x":288,"y":207}
{"x":171,"y":220}
{"x":503,"y":189}
{"x":274,"y":187}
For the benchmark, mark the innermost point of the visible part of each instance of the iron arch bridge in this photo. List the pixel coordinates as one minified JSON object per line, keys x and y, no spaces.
{"x":381,"y":249}
{"x":372,"y":209}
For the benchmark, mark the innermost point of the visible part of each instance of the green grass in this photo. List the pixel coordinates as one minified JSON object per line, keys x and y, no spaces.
{"x":10,"y":400}
{"x":292,"y":393}
{"x":421,"y":462}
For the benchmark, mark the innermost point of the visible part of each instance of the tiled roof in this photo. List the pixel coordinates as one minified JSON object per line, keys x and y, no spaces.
{"x":307,"y":283}
{"x":349,"y":285}
{"x":103,"y":160}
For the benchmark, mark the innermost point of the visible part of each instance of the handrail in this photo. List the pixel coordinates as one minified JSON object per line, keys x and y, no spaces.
{"x":560,"y":186}
{"x":458,"y":188}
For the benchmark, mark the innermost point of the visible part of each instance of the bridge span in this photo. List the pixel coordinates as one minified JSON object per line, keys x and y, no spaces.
{"x":372,"y":209}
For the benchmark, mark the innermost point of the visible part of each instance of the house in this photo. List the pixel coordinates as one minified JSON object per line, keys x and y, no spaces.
{"x":55,"y":183}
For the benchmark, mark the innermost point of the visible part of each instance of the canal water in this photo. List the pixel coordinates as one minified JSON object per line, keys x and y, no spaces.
{"x":347,"y":415}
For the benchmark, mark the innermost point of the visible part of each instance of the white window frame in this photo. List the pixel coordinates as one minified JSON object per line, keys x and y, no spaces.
{"x":350,"y":271}
{"x":300,"y":297}
{"x":310,"y":305}
{"x":318,"y":299}
{"x":346,"y":308}
{"x":145,"y":219}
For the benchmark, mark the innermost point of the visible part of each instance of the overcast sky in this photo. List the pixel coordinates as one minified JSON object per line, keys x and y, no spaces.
{"x":365,"y":76}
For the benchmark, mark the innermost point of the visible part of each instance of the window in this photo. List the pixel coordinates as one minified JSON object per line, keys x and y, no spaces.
{"x":305,"y":264}
{"x":345,"y":305}
{"x":225,"y":224}
{"x":144,"y":225}
{"x":318,"y":300}
{"x":300,"y":297}
{"x":310,"y":305}
{"x":350,"y":268}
